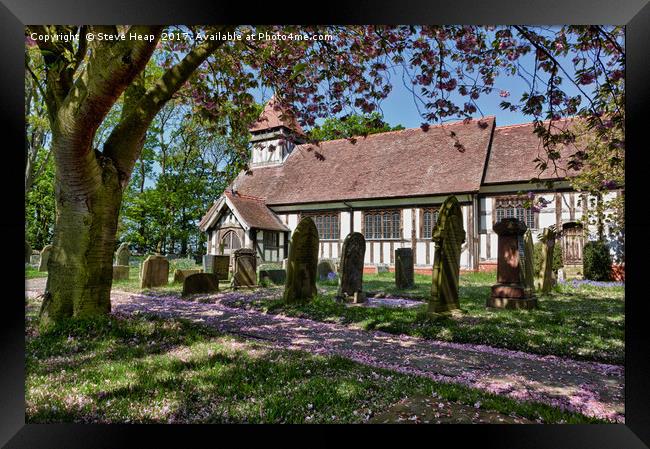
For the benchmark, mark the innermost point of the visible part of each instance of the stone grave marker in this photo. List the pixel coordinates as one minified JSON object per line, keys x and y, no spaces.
{"x":448,"y":236}
{"x":122,"y":254}
{"x":351,"y":266}
{"x":277,"y":277}
{"x":510,"y":291}
{"x":217,"y":264}
{"x":529,"y":268}
{"x":245,"y":268}
{"x":302,"y":263}
{"x":325,"y":267}
{"x":120,"y":272}
{"x":45,"y":257}
{"x":180,"y":275}
{"x":404,"y":271}
{"x":28,"y":251}
{"x":548,"y":277}
{"x":200,"y":283}
{"x":155,"y":271}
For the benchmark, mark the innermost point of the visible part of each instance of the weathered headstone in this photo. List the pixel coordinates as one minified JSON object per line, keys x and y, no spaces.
{"x":277,"y":277}
{"x":28,"y":251}
{"x":382,"y":268}
{"x":325,"y":267}
{"x":245,"y":268}
{"x":35,"y":259}
{"x":155,"y":271}
{"x":448,"y":236}
{"x":510,"y":291}
{"x":302,"y":263}
{"x":573,"y":241}
{"x":351,"y":265}
{"x":404,"y":271}
{"x":200,"y":283}
{"x":529,"y":269}
{"x":548,"y":247}
{"x":217,"y":264}
{"x":45,"y":256}
{"x":122,"y":254}
{"x":120,"y":272}
{"x":180,"y":275}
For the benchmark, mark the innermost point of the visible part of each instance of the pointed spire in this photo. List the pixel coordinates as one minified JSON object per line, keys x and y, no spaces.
{"x":273,"y":116}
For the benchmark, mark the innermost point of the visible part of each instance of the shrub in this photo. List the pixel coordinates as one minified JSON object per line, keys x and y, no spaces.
{"x":597,"y":261}
{"x":537,"y":257}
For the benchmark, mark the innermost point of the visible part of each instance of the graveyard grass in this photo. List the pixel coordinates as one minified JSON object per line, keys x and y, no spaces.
{"x":141,"y":369}
{"x":584,"y":322}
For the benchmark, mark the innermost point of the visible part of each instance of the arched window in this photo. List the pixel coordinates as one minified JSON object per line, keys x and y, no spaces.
{"x":230,"y":242}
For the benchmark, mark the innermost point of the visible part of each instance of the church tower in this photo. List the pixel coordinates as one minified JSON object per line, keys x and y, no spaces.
{"x":274,"y":135}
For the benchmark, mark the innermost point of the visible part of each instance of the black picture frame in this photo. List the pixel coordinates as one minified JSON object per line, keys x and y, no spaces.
{"x":635,"y":14}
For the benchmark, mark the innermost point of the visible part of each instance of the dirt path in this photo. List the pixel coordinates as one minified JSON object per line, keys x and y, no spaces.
{"x":593,"y":389}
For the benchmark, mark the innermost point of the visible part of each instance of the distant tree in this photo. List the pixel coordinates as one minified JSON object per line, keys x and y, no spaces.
{"x":354,"y":125}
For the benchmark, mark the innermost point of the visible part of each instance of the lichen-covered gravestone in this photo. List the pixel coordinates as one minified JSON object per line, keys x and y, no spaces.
{"x":448,"y":236}
{"x":45,"y":256}
{"x":200,"y":283}
{"x":245,"y":268}
{"x":325,"y":267}
{"x":155,"y":271}
{"x":120,"y":272}
{"x":351,"y":266}
{"x":529,"y":270}
{"x":302,"y":263}
{"x":122,"y":254}
{"x":180,"y":275}
{"x":548,"y":245}
{"x":511,"y":291}
{"x":404,"y":277}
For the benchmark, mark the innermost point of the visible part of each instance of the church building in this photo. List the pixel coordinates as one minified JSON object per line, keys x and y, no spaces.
{"x":389,"y":186}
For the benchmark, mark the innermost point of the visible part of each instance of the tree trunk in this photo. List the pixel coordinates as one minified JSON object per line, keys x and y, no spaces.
{"x":80,"y":268}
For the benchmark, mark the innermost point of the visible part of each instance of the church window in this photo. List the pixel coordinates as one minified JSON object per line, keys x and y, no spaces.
{"x":515,"y":207}
{"x":382,"y":224}
{"x":327,"y":224}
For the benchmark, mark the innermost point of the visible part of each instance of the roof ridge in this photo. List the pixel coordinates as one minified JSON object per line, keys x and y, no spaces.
{"x":397,"y":131}
{"x":244,"y":195}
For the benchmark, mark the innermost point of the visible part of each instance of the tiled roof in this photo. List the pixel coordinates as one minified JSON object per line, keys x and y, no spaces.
{"x":411,"y":162}
{"x":254,"y":212}
{"x":514,"y":149}
{"x":274,"y":116}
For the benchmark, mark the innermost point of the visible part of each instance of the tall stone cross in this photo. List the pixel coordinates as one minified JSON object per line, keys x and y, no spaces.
{"x":448,"y":236}
{"x":302,"y":263}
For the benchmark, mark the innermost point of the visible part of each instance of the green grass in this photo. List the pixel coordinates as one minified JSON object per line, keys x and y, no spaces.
{"x":32,"y":272}
{"x":585,"y":323}
{"x":142,"y":369}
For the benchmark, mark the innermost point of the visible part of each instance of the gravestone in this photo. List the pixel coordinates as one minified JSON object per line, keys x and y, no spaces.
{"x":120,"y":272}
{"x":180,"y":275}
{"x":404,"y":271}
{"x":510,"y":291}
{"x":325,"y":267}
{"x":382,"y":268}
{"x":529,"y":269}
{"x":35,"y":259}
{"x":155,"y":271}
{"x":548,"y":247}
{"x":122,"y":254}
{"x":285,"y":262}
{"x":219,"y":265}
{"x":200,"y":283}
{"x":351,"y":265}
{"x":45,"y":256}
{"x":302,"y":263}
{"x":28,"y":251}
{"x":448,"y":236}
{"x":245,"y":268}
{"x":277,"y":277}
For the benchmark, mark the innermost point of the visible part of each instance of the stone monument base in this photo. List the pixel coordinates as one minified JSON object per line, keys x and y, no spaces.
{"x":120,"y":272}
{"x":573,"y":272}
{"x":506,"y":296}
